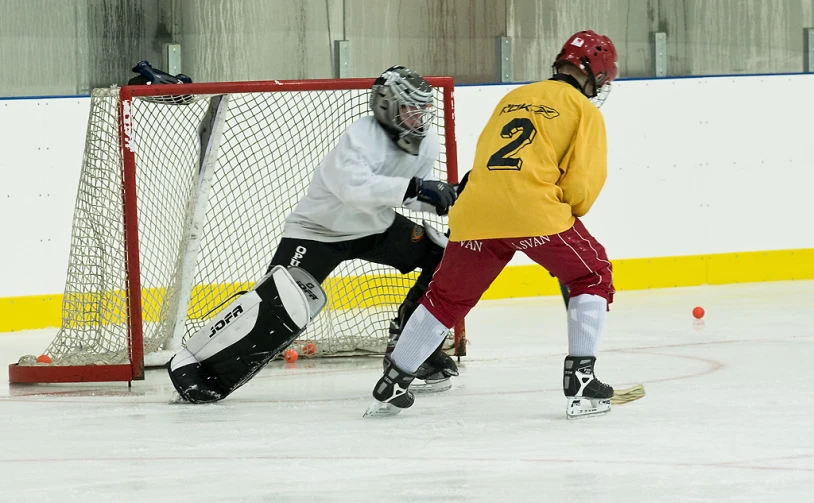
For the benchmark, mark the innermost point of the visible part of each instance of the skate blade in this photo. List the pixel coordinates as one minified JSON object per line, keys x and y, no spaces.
{"x":579,"y":408}
{"x":431,"y":386}
{"x":380,"y":409}
{"x":627,"y":395}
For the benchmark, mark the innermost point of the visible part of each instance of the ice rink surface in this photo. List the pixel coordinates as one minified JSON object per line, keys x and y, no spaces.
{"x":728,"y":416}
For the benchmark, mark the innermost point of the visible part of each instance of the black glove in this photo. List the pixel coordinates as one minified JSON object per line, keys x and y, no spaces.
{"x":435,"y":192}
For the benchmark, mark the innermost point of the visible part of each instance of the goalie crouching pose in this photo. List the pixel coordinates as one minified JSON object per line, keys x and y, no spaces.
{"x":380,"y":162}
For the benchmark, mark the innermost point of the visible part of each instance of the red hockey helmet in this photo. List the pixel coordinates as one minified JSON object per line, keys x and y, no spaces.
{"x":594,"y":54}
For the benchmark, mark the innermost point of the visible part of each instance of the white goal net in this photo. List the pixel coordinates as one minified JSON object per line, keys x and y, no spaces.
{"x":215,"y":177}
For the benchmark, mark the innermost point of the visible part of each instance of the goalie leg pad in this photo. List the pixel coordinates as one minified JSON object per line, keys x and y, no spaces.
{"x":237,"y":343}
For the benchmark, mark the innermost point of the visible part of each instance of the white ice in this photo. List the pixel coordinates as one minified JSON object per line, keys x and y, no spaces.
{"x":728,"y":416}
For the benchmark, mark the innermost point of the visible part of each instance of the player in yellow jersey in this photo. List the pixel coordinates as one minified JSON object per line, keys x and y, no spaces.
{"x":539,"y":165}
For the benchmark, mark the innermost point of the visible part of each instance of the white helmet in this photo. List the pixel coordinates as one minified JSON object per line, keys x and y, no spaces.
{"x":402,"y":102}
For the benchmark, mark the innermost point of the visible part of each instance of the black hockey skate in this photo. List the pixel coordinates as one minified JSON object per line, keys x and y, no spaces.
{"x":586,"y":395}
{"x":391,"y":393}
{"x":434,"y":373}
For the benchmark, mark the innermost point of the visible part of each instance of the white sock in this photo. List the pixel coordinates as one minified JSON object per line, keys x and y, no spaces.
{"x":420,"y":337}
{"x":586,"y":321}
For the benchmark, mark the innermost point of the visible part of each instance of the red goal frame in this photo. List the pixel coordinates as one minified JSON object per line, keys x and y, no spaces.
{"x":134,"y":370}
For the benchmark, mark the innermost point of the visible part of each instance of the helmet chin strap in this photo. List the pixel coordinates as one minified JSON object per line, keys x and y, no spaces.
{"x":591,"y":78}
{"x":574,"y":81}
{"x":565,"y":77}
{"x":585,"y":92}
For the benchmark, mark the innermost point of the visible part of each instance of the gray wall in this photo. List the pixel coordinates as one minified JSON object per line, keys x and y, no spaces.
{"x":67,"y":47}
{"x":55,"y":47}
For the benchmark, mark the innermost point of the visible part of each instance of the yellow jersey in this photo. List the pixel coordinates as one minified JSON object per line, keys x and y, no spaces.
{"x":541,"y":160}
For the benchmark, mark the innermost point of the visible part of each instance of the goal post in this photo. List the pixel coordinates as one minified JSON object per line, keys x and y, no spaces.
{"x":182,"y":198}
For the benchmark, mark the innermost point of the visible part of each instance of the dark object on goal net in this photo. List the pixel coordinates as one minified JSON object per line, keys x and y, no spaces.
{"x":147,"y":75}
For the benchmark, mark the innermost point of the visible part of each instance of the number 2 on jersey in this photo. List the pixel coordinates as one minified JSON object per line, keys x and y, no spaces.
{"x":501,"y":159}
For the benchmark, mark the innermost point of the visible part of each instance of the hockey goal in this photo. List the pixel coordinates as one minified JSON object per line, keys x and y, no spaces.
{"x":182,"y":198}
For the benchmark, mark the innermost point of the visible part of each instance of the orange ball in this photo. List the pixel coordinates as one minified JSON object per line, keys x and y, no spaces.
{"x":290,"y":355}
{"x":698,"y":312}
{"x":43,"y":359}
{"x":309,"y":349}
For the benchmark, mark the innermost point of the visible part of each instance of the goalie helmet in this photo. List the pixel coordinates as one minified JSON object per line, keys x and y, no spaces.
{"x":595,"y":56}
{"x":402,"y":101}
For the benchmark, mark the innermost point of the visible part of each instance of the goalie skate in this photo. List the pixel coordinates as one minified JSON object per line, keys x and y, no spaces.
{"x":432,"y":385}
{"x":431,"y":378}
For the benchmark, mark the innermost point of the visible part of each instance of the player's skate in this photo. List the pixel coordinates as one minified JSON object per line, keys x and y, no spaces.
{"x":434,"y":374}
{"x":587,"y":396}
{"x":391,"y":393}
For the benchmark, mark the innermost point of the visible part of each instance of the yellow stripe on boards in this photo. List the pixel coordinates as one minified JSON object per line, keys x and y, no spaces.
{"x":752,"y":267}
{"x":669,"y":272}
{"x":42,"y":311}
{"x":28,"y":313}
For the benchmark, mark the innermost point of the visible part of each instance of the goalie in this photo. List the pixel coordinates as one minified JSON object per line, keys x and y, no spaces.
{"x":381,"y":161}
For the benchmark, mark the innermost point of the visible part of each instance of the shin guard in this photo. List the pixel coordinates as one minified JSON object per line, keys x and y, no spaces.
{"x":243,"y":337}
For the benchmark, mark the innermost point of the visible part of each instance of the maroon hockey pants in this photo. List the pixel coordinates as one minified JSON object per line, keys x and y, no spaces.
{"x":469,"y":267}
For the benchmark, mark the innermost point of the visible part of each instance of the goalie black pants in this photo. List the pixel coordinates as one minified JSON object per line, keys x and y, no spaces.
{"x":404,"y":246}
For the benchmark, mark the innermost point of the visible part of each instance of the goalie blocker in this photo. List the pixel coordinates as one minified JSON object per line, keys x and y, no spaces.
{"x":237,"y":343}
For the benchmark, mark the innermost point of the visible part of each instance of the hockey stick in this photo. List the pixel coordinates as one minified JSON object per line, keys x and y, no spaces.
{"x":626,"y":395}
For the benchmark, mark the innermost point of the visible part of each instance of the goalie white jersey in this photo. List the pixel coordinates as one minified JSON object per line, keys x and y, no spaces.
{"x":354,"y":190}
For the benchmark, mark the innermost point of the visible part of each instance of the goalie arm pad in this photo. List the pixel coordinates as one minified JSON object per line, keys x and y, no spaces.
{"x":229,"y":350}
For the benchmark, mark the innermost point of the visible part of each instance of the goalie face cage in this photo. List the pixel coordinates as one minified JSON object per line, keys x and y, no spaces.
{"x":182,"y":198}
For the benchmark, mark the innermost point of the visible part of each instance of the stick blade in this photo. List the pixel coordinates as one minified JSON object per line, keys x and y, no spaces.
{"x":627,"y":395}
